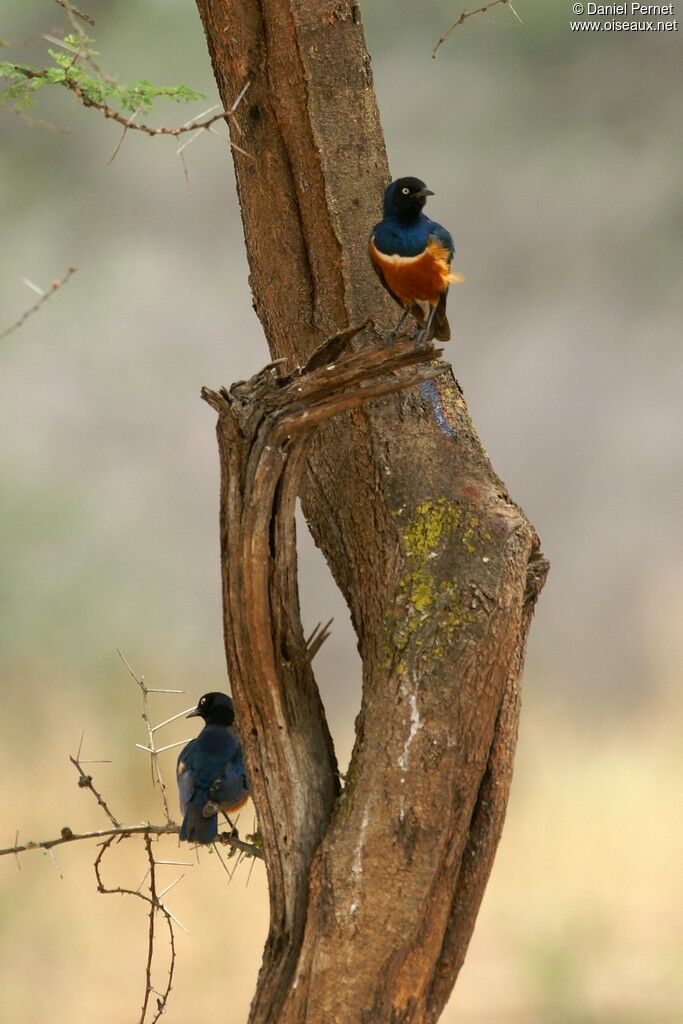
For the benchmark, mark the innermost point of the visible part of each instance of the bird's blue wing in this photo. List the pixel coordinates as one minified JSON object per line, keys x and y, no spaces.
{"x":443,"y":236}
{"x":185,"y":775}
{"x":230,"y":791}
{"x":231,"y":787}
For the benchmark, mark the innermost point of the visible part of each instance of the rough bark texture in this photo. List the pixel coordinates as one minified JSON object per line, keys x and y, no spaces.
{"x":439,"y":567}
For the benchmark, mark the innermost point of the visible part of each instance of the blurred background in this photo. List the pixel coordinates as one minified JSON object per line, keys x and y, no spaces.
{"x":556,"y":162}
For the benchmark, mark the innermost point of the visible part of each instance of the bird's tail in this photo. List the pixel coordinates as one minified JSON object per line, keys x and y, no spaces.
{"x":441,"y":329}
{"x":195,"y":827}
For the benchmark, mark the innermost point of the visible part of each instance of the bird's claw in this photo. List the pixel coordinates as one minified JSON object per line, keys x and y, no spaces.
{"x":225,"y":837}
{"x":423,"y":340}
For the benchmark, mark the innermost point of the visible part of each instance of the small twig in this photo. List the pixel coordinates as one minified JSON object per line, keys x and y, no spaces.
{"x":86,"y":53}
{"x":468,"y":14}
{"x":85,"y":782}
{"x":127,"y":122}
{"x":155,"y":767}
{"x":54,"y":287}
{"x":154,"y":905}
{"x":70,"y":9}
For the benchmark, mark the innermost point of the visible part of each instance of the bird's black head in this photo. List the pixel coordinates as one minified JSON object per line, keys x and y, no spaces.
{"x":215,"y":709}
{"x":405,"y":198}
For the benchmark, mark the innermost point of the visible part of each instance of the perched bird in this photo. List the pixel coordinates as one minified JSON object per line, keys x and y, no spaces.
{"x":210,"y":771}
{"x":412,"y":256}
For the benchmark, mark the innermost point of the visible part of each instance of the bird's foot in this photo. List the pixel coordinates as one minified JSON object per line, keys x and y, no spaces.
{"x":390,"y":339}
{"x":234,"y":834}
{"x":403,"y":332}
{"x":423,"y":339}
{"x":230,"y":833}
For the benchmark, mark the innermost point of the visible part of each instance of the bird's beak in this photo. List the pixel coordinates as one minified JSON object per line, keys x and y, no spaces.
{"x":193,"y":714}
{"x":423,"y":193}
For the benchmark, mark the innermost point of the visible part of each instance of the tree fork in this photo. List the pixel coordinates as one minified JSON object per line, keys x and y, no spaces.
{"x":264,"y":428}
{"x":439,"y":567}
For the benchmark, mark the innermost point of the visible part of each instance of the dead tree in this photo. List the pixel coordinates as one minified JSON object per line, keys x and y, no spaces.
{"x":374,"y":892}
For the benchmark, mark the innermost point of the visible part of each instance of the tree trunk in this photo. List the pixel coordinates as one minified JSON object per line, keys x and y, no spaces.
{"x":374,"y":894}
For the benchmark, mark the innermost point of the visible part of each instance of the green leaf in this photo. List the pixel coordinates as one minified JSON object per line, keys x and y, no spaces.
{"x":101,"y":90}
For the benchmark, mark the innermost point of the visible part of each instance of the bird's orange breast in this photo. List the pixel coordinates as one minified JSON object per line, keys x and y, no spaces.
{"x":421,"y":278}
{"x":236,"y":806}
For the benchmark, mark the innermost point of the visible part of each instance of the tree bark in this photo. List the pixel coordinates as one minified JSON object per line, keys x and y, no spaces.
{"x":374,"y":893}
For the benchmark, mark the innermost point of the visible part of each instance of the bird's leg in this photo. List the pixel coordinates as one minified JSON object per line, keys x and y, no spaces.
{"x":233,"y":828}
{"x":393,"y":335}
{"x":425,"y":334}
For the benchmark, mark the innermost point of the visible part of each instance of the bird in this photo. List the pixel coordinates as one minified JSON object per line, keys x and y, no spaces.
{"x":412,"y":257}
{"x":210,"y":771}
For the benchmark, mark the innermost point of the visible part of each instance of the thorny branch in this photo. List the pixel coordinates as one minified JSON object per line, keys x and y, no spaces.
{"x":85,"y":782}
{"x":155,"y":767}
{"x":129,"y":122}
{"x":155,"y":905}
{"x":468,"y":14}
{"x":123,"y":832}
{"x":54,"y":287}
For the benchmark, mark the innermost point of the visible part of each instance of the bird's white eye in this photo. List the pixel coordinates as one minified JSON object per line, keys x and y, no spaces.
{"x":405,"y":191}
